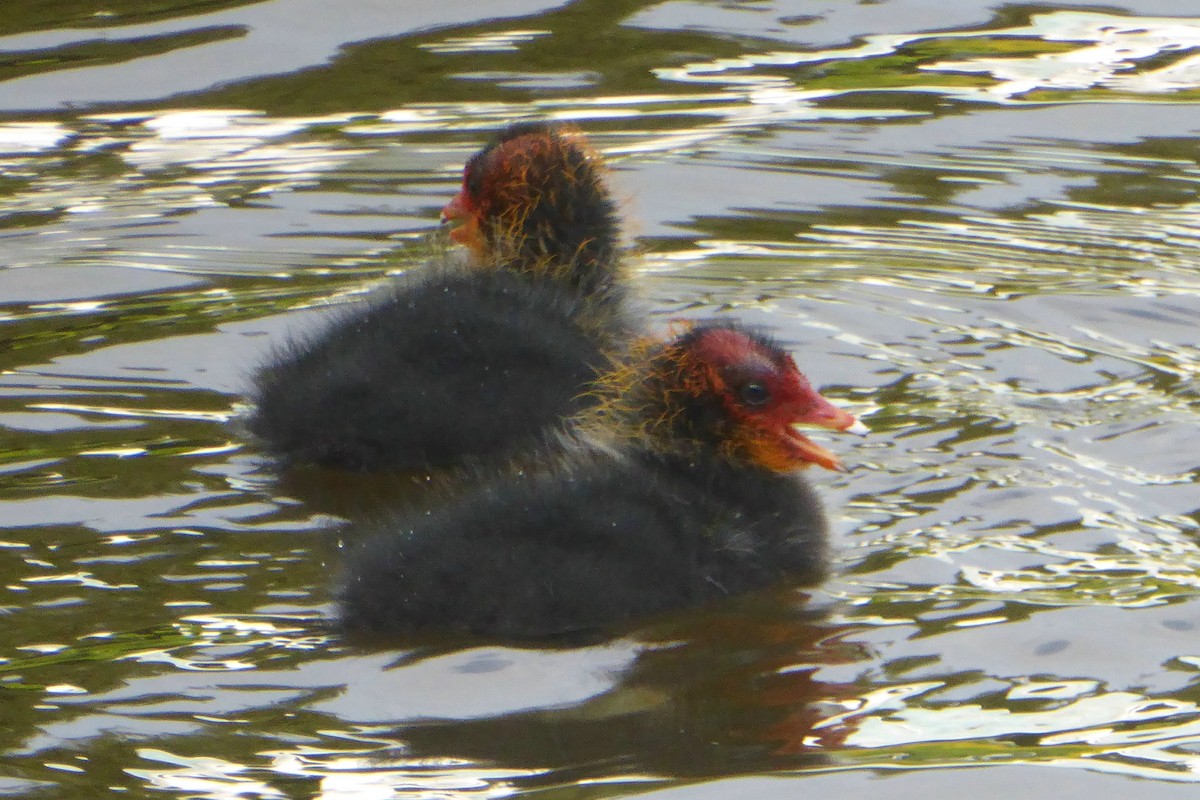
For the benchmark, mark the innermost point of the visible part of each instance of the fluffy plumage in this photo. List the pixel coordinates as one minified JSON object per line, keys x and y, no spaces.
{"x":676,"y":496}
{"x":463,"y":364}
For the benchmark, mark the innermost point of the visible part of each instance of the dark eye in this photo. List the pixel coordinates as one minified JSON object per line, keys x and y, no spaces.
{"x":755,"y":394}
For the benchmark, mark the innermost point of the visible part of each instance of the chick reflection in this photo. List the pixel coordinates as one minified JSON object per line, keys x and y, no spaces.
{"x":724,"y":693}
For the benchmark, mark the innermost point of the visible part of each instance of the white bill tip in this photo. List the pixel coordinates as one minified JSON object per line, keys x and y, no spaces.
{"x":858,"y":428}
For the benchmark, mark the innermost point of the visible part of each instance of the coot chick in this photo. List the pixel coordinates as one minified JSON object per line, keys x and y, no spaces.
{"x":682,"y":489}
{"x":461,"y":363}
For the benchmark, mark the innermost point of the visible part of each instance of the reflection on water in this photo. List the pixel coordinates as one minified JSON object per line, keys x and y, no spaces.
{"x":1063,"y":50}
{"x":943,"y":211}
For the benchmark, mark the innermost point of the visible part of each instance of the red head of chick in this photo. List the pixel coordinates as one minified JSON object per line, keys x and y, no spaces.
{"x":535,"y":199}
{"x":720,"y":388}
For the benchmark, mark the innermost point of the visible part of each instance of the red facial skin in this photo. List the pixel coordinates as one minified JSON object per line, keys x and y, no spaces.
{"x":463,"y":211}
{"x":503,"y":186}
{"x":728,"y":363}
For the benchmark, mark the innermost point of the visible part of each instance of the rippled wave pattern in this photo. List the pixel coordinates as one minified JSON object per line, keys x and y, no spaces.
{"x":980,"y":231}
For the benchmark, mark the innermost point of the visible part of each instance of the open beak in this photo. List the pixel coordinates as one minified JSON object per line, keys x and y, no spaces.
{"x":824,"y":414}
{"x":810,"y":452}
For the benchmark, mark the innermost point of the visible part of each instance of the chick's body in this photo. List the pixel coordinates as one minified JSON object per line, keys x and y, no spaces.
{"x":459,"y":364}
{"x":681,"y":488}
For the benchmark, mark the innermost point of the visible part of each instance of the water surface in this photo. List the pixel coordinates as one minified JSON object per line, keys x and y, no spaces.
{"x":975,"y":226}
